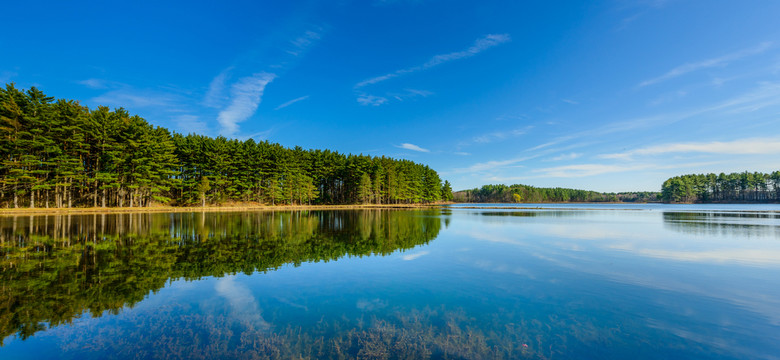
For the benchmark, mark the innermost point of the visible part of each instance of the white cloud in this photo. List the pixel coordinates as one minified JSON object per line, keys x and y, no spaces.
{"x":751,"y":146}
{"x":568,"y":101}
{"x":479,"y":46}
{"x":245,"y":96}
{"x":719,"y":61}
{"x":412,"y":147}
{"x":373,"y":100}
{"x":461,"y":153}
{"x":293,"y":101}
{"x":243,"y":304}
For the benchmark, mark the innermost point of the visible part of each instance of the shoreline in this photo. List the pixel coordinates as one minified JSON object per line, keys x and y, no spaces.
{"x":224,"y":208}
{"x":259,"y":207}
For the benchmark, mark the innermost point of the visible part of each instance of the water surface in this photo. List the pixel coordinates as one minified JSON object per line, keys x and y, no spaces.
{"x":552,"y":283}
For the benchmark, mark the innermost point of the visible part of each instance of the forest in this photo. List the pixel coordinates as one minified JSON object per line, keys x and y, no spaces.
{"x":528,"y":194}
{"x":59,"y":153}
{"x":735,"y":187}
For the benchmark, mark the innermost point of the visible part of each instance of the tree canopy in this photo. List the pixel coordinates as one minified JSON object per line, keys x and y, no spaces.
{"x":58,"y":153}
{"x":734,"y":187}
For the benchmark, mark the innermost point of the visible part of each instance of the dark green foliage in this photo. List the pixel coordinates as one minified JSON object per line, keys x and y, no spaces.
{"x":62,"y":154}
{"x":734,"y":187}
{"x":446,"y":191}
{"x":529,"y":194}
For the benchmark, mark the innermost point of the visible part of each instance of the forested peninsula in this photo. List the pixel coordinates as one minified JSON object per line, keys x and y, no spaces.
{"x":529,"y":194}
{"x":744,"y":187}
{"x":59,"y":153}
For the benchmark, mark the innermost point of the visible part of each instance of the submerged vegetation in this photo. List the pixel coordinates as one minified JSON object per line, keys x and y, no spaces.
{"x":735,"y":187}
{"x":528,"y":194}
{"x":58,"y":153}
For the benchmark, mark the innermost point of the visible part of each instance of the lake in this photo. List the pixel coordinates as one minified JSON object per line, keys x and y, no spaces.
{"x":586,"y":281}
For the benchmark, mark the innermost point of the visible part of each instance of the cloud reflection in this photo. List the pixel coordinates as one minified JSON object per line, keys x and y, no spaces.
{"x":243,"y":305}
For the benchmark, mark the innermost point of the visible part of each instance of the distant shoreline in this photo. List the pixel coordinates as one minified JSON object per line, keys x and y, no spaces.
{"x":259,"y":207}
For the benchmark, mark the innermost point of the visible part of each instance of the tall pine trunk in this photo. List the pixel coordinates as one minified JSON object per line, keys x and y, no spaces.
{"x":70,"y":192}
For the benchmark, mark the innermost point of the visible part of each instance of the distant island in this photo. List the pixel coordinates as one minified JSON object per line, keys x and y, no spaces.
{"x":60,"y":154}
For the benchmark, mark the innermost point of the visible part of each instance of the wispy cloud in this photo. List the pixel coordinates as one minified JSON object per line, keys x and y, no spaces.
{"x":410,"y":94}
{"x":583,"y":170}
{"x":765,"y":95}
{"x":293,"y":101}
{"x":500,"y":135}
{"x":479,"y":46}
{"x":569,"y":156}
{"x":260,"y":135}
{"x":371,"y":100}
{"x":569,"y":101}
{"x":130,"y":99}
{"x":493,"y":164}
{"x":668,"y":97}
{"x":752,"y":146}
{"x":94,"y":83}
{"x":461,"y":153}
{"x":244,"y":306}
{"x":245,"y":96}
{"x":305,"y":41}
{"x":412,"y":147}
{"x":553,"y":142}
{"x":719,"y":61}
{"x":215,"y":96}
{"x":414,"y":256}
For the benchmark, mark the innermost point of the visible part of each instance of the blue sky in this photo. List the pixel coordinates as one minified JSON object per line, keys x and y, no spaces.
{"x":606,"y":96}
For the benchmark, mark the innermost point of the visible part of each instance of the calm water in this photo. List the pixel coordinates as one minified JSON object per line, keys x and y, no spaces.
{"x":642,"y":282}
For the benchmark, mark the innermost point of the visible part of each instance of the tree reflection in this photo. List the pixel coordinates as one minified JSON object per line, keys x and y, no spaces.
{"x":57,"y":268}
{"x":734,"y":224}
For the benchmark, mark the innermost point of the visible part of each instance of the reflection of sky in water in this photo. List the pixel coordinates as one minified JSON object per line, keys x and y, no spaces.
{"x":721,"y":273}
{"x":570,"y":284}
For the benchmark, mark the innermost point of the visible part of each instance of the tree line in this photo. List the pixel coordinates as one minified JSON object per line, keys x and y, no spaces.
{"x":734,"y":187}
{"x":59,"y":153}
{"x":519,"y":193}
